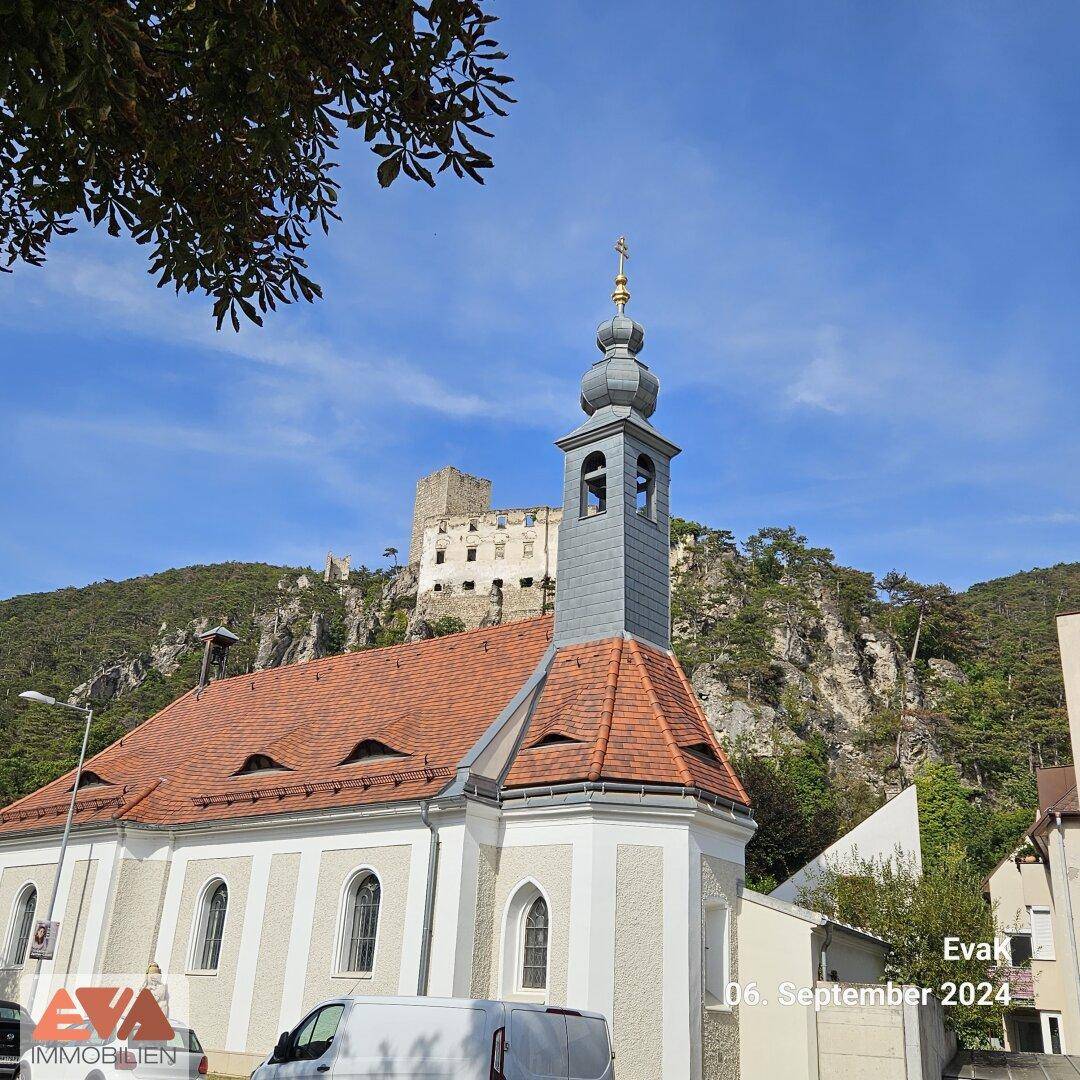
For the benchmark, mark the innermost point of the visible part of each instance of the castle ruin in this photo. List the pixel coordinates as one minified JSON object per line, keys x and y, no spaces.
{"x":481,"y":565}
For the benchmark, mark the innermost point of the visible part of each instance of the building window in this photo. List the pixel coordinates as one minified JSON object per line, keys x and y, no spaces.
{"x":211,"y":927}
{"x":1020,"y":949}
{"x":500,"y":551}
{"x":436,"y":587}
{"x":534,"y":951}
{"x":526,"y":582}
{"x":361,"y":925}
{"x":21,"y":924}
{"x":528,"y":549}
{"x":470,"y":555}
{"x":259,"y":763}
{"x":715,"y":958}
{"x":530,"y":520}
{"x":1042,"y":934}
{"x":372,"y":750}
{"x":646,"y":487}
{"x":594,"y":484}
{"x":473,"y":526}
{"x":442,"y":526}
{"x":440,"y":557}
{"x":468,"y":586}
{"x":500,"y":521}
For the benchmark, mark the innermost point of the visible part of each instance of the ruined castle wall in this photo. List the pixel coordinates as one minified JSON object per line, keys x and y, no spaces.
{"x":513,"y":549}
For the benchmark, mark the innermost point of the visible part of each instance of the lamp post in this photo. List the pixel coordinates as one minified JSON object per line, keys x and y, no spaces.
{"x":42,"y":699}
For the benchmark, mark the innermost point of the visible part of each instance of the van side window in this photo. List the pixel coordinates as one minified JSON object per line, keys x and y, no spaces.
{"x":316,"y":1033}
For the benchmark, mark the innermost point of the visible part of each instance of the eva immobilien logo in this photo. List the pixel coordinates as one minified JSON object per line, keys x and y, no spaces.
{"x":106,"y":1012}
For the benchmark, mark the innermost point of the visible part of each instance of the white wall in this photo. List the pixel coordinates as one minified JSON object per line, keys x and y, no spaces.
{"x":894,"y":825}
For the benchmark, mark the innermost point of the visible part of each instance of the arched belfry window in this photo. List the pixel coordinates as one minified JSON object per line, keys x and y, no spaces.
{"x":593,"y":484}
{"x":362,"y":900}
{"x":645,"y":487}
{"x":535,"y":946}
{"x":211,"y":927}
{"x":21,"y":925}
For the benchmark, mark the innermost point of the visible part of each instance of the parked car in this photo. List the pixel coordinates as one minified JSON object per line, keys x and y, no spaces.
{"x":379,"y":1038}
{"x":16,"y":1030}
{"x":179,"y":1058}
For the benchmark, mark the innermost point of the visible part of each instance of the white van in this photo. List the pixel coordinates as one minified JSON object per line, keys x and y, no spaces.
{"x":396,"y":1038}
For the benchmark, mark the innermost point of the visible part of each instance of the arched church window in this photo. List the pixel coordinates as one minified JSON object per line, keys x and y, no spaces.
{"x":593,"y":484}
{"x":215,"y":907}
{"x":362,"y":902}
{"x":535,"y":946}
{"x":645,"y":487}
{"x":22,"y":924}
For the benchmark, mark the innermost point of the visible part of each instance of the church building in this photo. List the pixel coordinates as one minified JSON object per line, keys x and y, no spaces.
{"x":536,"y":811}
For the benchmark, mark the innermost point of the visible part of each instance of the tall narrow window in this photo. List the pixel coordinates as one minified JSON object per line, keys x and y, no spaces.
{"x":470,"y":555}
{"x":530,"y":520}
{"x":23,"y":923}
{"x":716,"y":953}
{"x":535,"y":946}
{"x":215,"y":907}
{"x":646,"y":487}
{"x":440,"y":556}
{"x":500,"y":521}
{"x":361,"y":925}
{"x":1042,"y":933}
{"x":593,"y":484}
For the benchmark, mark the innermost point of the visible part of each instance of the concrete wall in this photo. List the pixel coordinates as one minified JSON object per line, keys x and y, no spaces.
{"x":1068,"y":628}
{"x":774,"y":1040}
{"x":883,"y":1042}
{"x":892,"y":826}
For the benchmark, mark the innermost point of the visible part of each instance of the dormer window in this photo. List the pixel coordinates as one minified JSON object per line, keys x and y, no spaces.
{"x":554,"y":738}
{"x":259,"y":763}
{"x":593,"y":484}
{"x":702,"y":750}
{"x":372,"y":750}
{"x":90,"y":778}
{"x":645,"y":487}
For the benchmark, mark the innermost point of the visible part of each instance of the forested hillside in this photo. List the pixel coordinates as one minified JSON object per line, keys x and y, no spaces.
{"x":832,"y":689}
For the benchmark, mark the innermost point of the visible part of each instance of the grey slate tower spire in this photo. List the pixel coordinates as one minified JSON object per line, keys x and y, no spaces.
{"x":613,"y":573}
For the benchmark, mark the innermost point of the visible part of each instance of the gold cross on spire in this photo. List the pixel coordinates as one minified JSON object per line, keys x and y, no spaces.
{"x":621,"y":294}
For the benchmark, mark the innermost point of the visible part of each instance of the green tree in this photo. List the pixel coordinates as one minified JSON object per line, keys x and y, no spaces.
{"x":208,"y":130}
{"x":915,"y":912}
{"x":447,"y":624}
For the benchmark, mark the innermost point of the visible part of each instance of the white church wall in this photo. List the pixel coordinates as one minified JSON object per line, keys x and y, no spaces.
{"x":324,"y":979}
{"x":13,"y":881}
{"x":273,"y":952}
{"x":135,"y":916}
{"x":208,"y":991}
{"x":638,"y":1027}
{"x":720,"y":1031}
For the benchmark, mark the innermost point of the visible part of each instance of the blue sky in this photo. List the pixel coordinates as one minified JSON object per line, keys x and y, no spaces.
{"x":854,"y":238}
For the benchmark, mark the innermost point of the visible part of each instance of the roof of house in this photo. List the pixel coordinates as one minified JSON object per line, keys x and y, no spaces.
{"x":627,"y":707}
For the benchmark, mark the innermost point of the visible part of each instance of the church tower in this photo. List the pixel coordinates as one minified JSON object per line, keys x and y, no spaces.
{"x":613,"y":574}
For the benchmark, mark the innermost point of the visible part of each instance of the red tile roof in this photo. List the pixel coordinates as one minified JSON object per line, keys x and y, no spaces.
{"x":628,"y":707}
{"x":633,"y":717}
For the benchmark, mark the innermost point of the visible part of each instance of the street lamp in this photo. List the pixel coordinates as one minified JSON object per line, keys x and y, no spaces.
{"x":44,"y":699}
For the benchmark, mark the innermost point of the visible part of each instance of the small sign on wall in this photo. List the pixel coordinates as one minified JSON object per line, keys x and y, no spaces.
{"x":43,"y":943}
